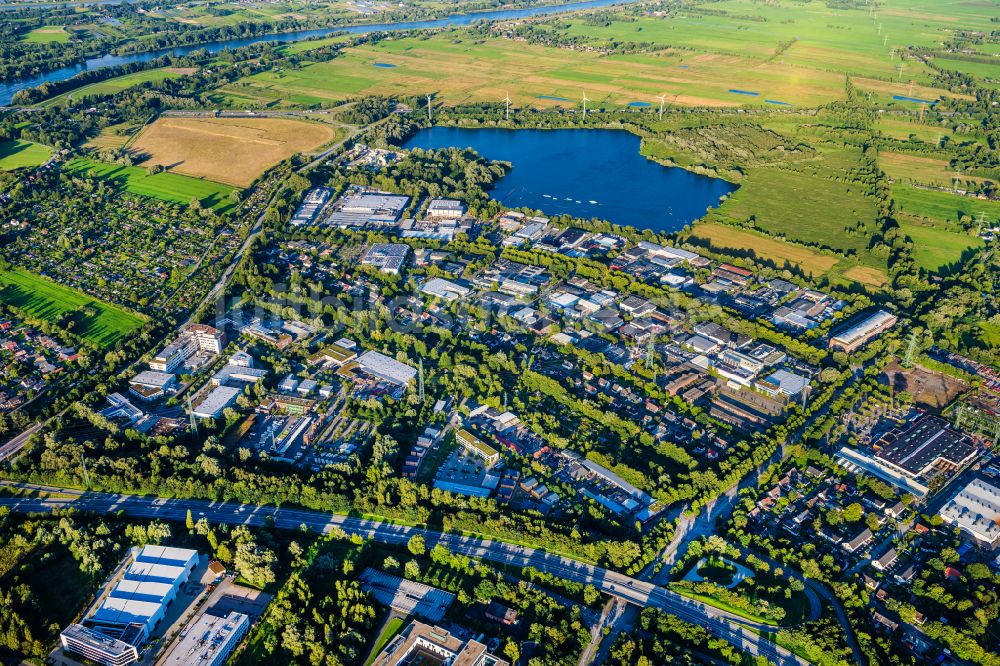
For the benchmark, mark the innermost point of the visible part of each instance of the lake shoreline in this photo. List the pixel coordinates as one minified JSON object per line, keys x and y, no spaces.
{"x":587,"y":173}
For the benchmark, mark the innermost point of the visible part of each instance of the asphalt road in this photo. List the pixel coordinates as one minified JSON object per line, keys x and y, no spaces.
{"x":12,"y":447}
{"x":732,"y":628}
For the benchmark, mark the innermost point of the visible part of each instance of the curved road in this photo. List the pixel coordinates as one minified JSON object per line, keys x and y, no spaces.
{"x":732,"y":628}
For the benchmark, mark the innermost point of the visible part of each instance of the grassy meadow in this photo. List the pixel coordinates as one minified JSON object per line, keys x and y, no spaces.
{"x":728,"y":239}
{"x":936,"y":248}
{"x":46,"y":34}
{"x":99,"y":322}
{"x":17,"y":154}
{"x":165,"y":186}
{"x":942,"y":207}
{"x":117,"y":84}
{"x":460,"y":68}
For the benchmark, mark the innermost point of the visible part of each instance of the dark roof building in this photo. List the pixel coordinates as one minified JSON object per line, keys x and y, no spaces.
{"x":929,"y":445}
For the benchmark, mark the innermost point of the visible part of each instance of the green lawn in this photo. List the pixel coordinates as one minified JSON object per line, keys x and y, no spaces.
{"x":16,"y":154}
{"x":113,"y":85}
{"x":390,"y":629}
{"x":49,"y":301}
{"x":46,"y":34}
{"x":165,"y":185}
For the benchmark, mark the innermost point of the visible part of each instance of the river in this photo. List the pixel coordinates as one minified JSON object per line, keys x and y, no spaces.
{"x":8,"y":89}
{"x":585,"y":173}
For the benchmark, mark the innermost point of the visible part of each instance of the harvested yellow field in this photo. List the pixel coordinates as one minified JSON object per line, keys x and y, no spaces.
{"x":723,"y":237}
{"x":234,"y":151}
{"x":867,"y":275}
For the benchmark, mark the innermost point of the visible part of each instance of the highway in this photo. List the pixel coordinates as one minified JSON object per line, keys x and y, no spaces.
{"x":732,"y":628}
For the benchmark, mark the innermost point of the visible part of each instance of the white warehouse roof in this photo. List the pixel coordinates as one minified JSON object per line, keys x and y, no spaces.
{"x":156,"y":573}
{"x":976,"y":510}
{"x":127,"y":611}
{"x":167,"y":555}
{"x":384,"y":367}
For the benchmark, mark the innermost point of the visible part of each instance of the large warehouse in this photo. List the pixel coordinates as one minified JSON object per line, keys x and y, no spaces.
{"x":135,"y":605}
{"x":975,"y":509}
{"x":386,"y":368}
{"x":928,"y":447}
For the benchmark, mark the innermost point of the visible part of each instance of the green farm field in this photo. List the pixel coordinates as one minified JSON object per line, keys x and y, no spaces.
{"x":742,"y":53}
{"x":165,"y":186}
{"x":49,"y":301}
{"x":982,"y":70}
{"x":459,"y":68}
{"x":935,"y":248}
{"x":17,"y":154}
{"x":942,"y":207}
{"x":117,"y":84}
{"x":797,"y":206}
{"x":920,"y":169}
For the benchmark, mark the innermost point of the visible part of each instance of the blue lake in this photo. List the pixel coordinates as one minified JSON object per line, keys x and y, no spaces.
{"x":585,"y":173}
{"x":7,"y":89}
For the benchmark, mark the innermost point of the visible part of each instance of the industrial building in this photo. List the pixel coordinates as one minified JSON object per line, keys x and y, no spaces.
{"x":420,"y":643}
{"x":216,"y":401}
{"x":385,"y":368}
{"x":240,"y":369}
{"x":360,"y":209}
{"x":150,"y":385}
{"x":406,"y":596}
{"x":387,"y":257}
{"x":783,"y":383}
{"x":136,"y":604}
{"x":448,"y":208}
{"x":861,"y":330}
{"x":975,"y":509}
{"x":446,"y":289}
{"x":311,"y":205}
{"x":121,"y":409}
{"x":208,"y":641}
{"x":927,"y":448}
{"x":334,"y":355}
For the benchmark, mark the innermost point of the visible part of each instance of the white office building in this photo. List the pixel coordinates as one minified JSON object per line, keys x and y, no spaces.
{"x":208,"y":641}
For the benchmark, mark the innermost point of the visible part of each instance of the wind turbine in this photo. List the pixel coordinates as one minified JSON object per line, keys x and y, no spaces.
{"x":506,"y":99}
{"x":429,"y":119}
{"x":662,"y":98}
{"x":585,"y":100}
